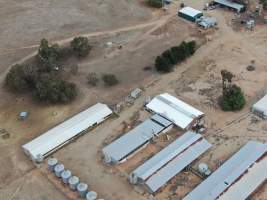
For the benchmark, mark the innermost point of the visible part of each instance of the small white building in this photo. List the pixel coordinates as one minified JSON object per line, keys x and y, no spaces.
{"x":260,"y":108}
{"x":60,"y":135}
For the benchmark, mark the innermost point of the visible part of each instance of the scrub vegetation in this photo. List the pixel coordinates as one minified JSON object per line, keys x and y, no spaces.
{"x":177,"y":54}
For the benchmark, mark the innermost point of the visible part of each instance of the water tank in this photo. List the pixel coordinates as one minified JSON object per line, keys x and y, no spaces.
{"x":59,"y":168}
{"x":73,"y":182}
{"x":133,"y":178}
{"x":52,"y":162}
{"x":82,"y":189}
{"x":65,"y":175}
{"x":92,"y":195}
{"x":204,"y":169}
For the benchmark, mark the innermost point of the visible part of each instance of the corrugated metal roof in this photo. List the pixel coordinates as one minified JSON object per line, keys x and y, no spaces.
{"x":174,"y":109}
{"x":159,"y":179}
{"x":129,"y":142}
{"x":206,"y":21}
{"x":230,"y":4}
{"x":161,"y":120}
{"x":250,"y":181}
{"x":228,"y":173}
{"x":190,"y":11}
{"x":261,"y":106}
{"x":68,"y":129}
{"x":164,"y":156}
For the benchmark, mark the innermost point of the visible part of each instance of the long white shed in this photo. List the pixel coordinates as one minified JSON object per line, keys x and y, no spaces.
{"x":127,"y":145}
{"x":58,"y":136}
{"x":237,"y":177}
{"x":177,"y":111}
{"x":260,"y":107}
{"x":151,"y":166}
{"x":176,"y":165}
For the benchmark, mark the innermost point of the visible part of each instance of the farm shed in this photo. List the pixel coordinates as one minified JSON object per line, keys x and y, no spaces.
{"x":58,"y":136}
{"x":180,"y":113}
{"x":190,"y":14}
{"x":244,"y":171}
{"x":260,"y":108}
{"x":177,"y":164}
{"x":230,"y":4}
{"x":133,"y":141}
{"x":152,"y":165}
{"x":206,"y":22}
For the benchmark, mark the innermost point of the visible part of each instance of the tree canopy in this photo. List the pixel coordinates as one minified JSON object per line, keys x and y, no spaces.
{"x":155,"y":3}
{"x":80,"y":45}
{"x":232,"y":98}
{"x":166,"y":61}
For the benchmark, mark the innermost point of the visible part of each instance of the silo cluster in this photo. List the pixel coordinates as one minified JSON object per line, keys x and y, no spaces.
{"x":72,"y":181}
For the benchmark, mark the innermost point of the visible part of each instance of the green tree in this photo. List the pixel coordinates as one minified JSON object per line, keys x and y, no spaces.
{"x":170,"y":56}
{"x":155,"y":3}
{"x":48,"y":56}
{"x":163,"y":65}
{"x":191,"y":47}
{"x":80,"y":45}
{"x":264,"y":3}
{"x":174,"y":55}
{"x":110,"y":79}
{"x":226,"y":78}
{"x":15,"y":79}
{"x":92,"y":79}
{"x":52,"y":89}
{"x":233,"y":98}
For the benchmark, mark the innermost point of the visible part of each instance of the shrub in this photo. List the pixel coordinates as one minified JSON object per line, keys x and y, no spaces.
{"x":48,"y":56}
{"x":110,"y":79}
{"x":92,"y":79}
{"x":80,"y":46}
{"x":174,"y":55}
{"x":74,"y":69}
{"x":163,"y":65}
{"x":233,"y":98}
{"x":52,"y":89}
{"x":169,"y":56}
{"x":15,"y":79}
{"x":264,"y":3}
{"x":155,"y":3}
{"x":191,"y":47}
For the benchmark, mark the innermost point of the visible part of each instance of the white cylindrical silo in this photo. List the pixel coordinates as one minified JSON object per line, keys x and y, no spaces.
{"x":65,"y":175}
{"x":52,"y":162}
{"x":92,"y":195}
{"x":73,"y":182}
{"x":59,"y":168}
{"x":82,"y":188}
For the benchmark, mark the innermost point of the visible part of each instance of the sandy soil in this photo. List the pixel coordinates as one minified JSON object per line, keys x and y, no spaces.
{"x":197,"y":81}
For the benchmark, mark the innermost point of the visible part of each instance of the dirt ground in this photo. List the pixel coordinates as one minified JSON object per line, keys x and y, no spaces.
{"x":143,"y":33}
